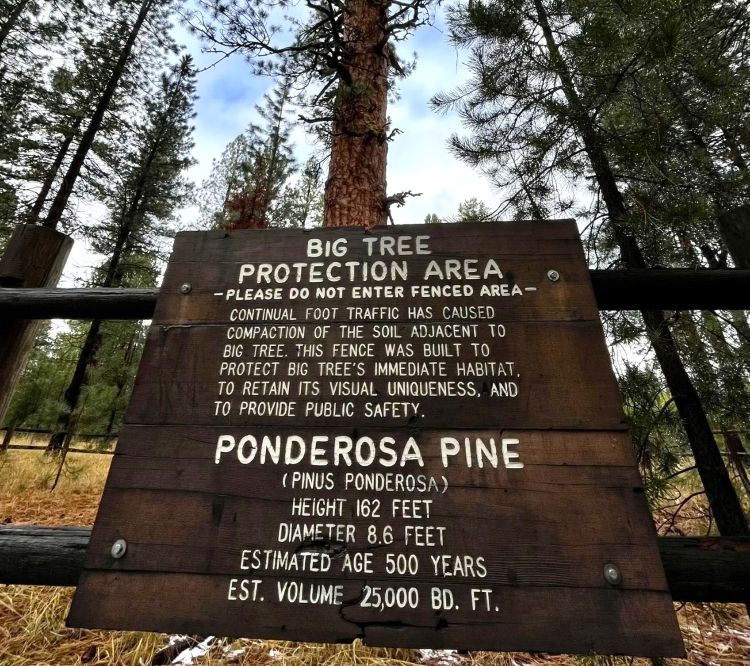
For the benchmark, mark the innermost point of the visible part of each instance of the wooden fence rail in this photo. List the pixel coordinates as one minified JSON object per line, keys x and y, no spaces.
{"x":665,"y":289}
{"x":697,"y":568}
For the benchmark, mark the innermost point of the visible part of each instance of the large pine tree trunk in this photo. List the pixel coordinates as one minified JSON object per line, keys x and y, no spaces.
{"x":355,"y":190}
{"x":719,"y":489}
{"x":87,"y":139}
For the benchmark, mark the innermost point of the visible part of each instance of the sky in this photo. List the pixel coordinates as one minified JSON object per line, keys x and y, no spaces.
{"x":418,"y":157}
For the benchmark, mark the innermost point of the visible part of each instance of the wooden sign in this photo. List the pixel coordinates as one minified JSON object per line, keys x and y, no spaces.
{"x":410,"y":435}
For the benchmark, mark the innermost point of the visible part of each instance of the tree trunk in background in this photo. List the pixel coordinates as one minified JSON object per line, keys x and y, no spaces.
{"x":721,"y":494}
{"x":121,"y":383}
{"x":355,"y":191}
{"x":87,"y":139}
{"x":9,"y":431}
{"x":78,"y":381}
{"x":733,"y":224}
{"x":49,"y":178}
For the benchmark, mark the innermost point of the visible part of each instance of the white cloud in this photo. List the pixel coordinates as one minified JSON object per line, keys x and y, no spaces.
{"x":418,"y":159}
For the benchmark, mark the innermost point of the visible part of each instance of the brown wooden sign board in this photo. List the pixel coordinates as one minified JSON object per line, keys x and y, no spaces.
{"x":410,"y":435}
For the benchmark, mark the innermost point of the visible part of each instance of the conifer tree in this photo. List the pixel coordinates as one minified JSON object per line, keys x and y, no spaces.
{"x":345,"y":49}
{"x":133,"y":24}
{"x":75,"y":89}
{"x":301,"y":203}
{"x":245,"y":187}
{"x":57,"y":121}
{"x":27,"y":36}
{"x":151,"y":187}
{"x":535,"y":111}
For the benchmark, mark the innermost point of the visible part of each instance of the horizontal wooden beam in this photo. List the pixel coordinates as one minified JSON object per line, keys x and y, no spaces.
{"x":707,"y":568}
{"x":42,"y":449}
{"x":672,"y":289}
{"x":31,"y":555}
{"x":697,"y":568}
{"x":98,"y":303}
{"x":667,"y":289}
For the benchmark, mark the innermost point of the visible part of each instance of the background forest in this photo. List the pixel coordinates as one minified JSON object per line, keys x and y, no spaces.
{"x":631,"y":116}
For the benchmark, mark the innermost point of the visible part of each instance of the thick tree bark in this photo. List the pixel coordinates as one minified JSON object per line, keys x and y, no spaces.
{"x":34,"y":257}
{"x":719,"y":489}
{"x":87,"y":139}
{"x":355,"y":191}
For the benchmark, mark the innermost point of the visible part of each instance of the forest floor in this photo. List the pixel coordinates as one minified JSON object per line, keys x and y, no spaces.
{"x":32,"y":619}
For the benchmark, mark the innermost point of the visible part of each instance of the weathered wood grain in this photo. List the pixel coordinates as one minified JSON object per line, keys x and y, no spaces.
{"x":34,"y":257}
{"x":572,"y":388}
{"x":524,"y":258}
{"x":196,"y":487}
{"x":31,"y":555}
{"x":703,"y":569}
{"x":653,"y":288}
{"x":707,"y":568}
{"x":574,"y":623}
{"x":79,"y":303}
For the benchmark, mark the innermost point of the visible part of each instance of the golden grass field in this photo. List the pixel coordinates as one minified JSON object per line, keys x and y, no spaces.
{"x":33,"y":632}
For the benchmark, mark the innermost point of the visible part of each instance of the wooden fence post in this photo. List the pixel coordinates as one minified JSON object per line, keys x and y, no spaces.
{"x":34,"y":257}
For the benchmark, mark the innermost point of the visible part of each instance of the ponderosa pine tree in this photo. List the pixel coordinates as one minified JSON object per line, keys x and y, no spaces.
{"x":346,"y":50}
{"x":301,"y":204}
{"x":535,"y":114}
{"x":246,"y":184}
{"x":151,"y":187}
{"x":131,"y":28}
{"x":29,"y":32}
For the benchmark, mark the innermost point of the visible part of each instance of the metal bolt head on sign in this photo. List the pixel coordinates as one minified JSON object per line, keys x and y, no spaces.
{"x":612,"y":574}
{"x":119,"y":548}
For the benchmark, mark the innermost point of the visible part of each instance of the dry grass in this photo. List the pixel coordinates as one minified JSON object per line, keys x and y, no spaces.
{"x":27,"y":476}
{"x":32,"y":629}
